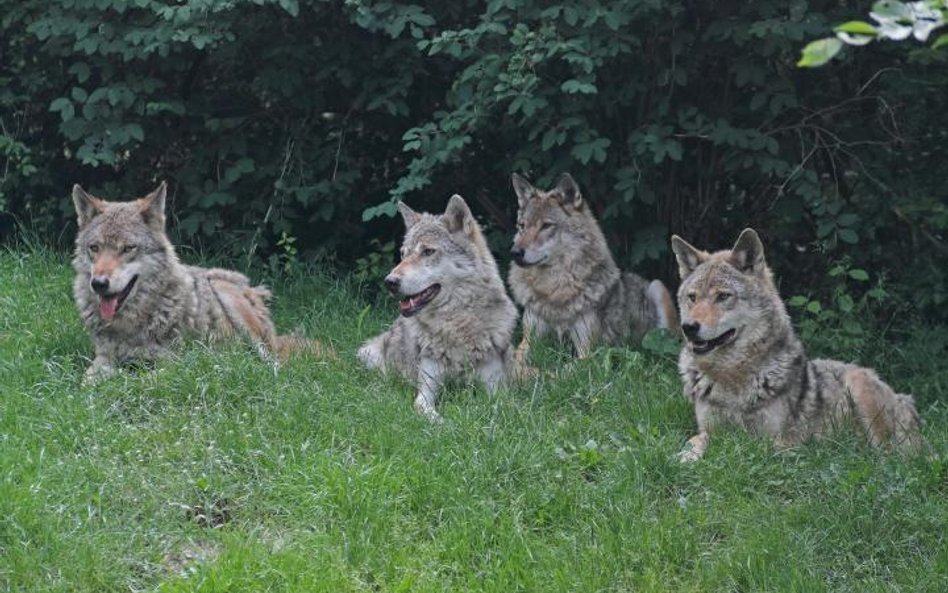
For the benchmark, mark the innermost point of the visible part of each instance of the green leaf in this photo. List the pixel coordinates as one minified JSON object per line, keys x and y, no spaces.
{"x":594,"y":150}
{"x":856,"y":28}
{"x":814,"y":307}
{"x":573,"y":86}
{"x":819,"y":52}
{"x":64,"y":107}
{"x":81,"y":71}
{"x":798,"y":301}
{"x":848,"y":236}
{"x":857,"y":274}
{"x":942,"y":41}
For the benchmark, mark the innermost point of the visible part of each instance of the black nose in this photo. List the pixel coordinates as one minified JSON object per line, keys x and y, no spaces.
{"x":100,"y":284}
{"x":691,"y":329}
{"x":517,"y":254}
{"x":392,"y":282}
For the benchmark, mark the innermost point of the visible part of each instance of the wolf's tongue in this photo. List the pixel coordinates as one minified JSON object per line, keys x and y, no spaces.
{"x":108,"y":305}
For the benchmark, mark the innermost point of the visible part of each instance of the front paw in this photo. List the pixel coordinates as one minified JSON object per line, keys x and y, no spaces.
{"x":426,"y":408}
{"x":688,"y":455}
{"x":96,"y":373}
{"x":694,"y":449}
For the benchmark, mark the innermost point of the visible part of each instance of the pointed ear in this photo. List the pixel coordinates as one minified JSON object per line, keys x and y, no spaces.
{"x":523,"y":188}
{"x":569,"y":192}
{"x":747,"y":255}
{"x":688,"y":257}
{"x":87,"y":206}
{"x":153,"y":207}
{"x":408,"y":215}
{"x":458,"y":217}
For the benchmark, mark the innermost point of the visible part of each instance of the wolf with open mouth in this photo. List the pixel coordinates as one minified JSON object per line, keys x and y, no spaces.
{"x":743,"y":365}
{"x":136,"y":299}
{"x":455,"y":316}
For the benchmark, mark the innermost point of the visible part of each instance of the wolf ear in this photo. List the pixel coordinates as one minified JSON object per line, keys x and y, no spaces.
{"x":688,"y":257}
{"x":458,"y":217}
{"x":408,"y":215}
{"x":523,"y":188}
{"x":747,"y":255}
{"x":153,"y":207}
{"x":87,"y":206}
{"x":569,"y":191}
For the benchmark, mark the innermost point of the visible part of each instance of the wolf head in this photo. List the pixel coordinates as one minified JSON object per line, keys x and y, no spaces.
{"x":548,"y":222}
{"x":439,"y":252}
{"x":725,"y":296}
{"x":114,"y":240}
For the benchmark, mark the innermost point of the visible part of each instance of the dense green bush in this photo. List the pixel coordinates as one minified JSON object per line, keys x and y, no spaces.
{"x":305,"y":120}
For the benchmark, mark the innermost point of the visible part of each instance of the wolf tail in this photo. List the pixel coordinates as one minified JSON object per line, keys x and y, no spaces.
{"x":906,"y":424}
{"x":293,"y":345}
{"x":665,"y":312}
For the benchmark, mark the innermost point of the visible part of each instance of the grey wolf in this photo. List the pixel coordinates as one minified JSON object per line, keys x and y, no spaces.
{"x":743,"y":365}
{"x":456,"y":318}
{"x":566,"y":279}
{"x":136,"y":299}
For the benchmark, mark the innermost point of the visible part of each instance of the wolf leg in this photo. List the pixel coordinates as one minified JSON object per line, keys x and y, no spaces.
{"x":665,"y":311}
{"x":100,"y":369}
{"x":694,"y":449}
{"x":372,"y":353}
{"x":492,"y":373}
{"x":533,"y":327}
{"x":885,"y":415}
{"x":584,"y":333}
{"x":430,"y":375}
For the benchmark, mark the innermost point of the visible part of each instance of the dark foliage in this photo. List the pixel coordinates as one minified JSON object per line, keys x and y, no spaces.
{"x":298,"y":123}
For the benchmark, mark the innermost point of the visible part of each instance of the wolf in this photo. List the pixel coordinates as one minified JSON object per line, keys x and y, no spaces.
{"x":566,"y":280}
{"x":456,"y":318}
{"x":136,"y":299}
{"x":743,"y":365}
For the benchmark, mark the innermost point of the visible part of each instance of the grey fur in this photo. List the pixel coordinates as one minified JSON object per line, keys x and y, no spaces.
{"x":567,"y":280}
{"x":466,"y":329}
{"x":169,"y":300}
{"x":761,"y":380}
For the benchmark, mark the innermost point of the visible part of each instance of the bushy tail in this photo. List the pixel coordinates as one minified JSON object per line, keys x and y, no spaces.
{"x":665,"y":312}
{"x":290,"y":346}
{"x":906,"y":425}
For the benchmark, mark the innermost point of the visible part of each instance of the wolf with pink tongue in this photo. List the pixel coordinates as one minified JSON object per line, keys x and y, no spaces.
{"x":137,"y":300}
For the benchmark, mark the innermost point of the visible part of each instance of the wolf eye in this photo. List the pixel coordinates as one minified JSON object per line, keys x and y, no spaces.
{"x":427,"y":252}
{"x":94,"y":248}
{"x":520,"y":225}
{"x":547,"y":226}
{"x":722,"y":296}
{"x":692,"y":297}
{"x":129,"y":248}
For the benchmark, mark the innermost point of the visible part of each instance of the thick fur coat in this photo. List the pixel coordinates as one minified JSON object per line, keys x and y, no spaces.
{"x":743,"y":365}
{"x":566,"y":279}
{"x":137,"y":300}
{"x":456,"y":318}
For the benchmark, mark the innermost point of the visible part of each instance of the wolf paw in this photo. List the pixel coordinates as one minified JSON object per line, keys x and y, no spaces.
{"x":688,"y":455}
{"x":426,"y":409}
{"x":694,"y":449}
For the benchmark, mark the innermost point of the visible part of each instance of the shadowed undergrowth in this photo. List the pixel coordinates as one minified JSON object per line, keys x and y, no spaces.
{"x":212,"y":472}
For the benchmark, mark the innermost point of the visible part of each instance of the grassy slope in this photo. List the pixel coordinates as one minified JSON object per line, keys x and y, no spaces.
{"x":325,"y":480}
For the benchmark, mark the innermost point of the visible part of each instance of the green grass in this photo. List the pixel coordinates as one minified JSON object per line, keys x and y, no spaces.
{"x":213,"y":473}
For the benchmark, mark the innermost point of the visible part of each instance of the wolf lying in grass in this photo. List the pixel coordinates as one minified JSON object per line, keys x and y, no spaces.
{"x":743,"y":365}
{"x":136,"y":299}
{"x":456,"y":317}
